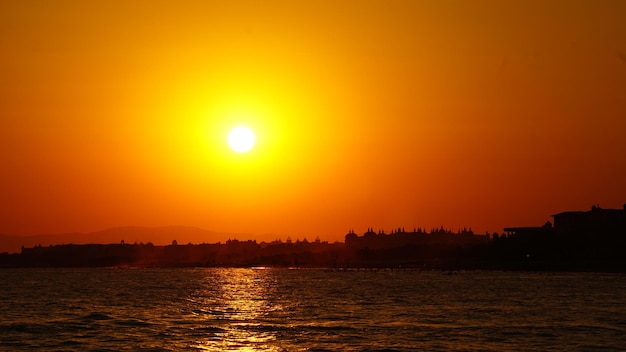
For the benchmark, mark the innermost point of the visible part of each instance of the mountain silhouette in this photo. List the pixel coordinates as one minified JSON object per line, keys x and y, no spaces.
{"x":129,"y":234}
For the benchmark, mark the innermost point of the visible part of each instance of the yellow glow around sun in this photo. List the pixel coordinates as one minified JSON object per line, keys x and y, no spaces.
{"x":241,"y":139}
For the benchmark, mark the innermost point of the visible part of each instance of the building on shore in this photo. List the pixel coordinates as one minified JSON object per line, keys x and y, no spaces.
{"x":597,"y":221}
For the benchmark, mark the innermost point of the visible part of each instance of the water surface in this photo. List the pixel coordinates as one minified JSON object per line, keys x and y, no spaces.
{"x":309,"y":310}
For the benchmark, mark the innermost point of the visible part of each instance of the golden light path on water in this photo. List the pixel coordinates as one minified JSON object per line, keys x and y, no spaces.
{"x":213,"y":309}
{"x":234,"y":302}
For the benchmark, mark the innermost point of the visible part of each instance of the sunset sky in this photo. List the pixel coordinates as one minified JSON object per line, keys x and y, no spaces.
{"x":377,"y":114}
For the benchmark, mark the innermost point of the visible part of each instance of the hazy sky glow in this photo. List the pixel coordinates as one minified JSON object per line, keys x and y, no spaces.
{"x":366,"y":114}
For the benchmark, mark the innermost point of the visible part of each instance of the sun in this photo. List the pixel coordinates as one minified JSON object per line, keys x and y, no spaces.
{"x":241,"y":139}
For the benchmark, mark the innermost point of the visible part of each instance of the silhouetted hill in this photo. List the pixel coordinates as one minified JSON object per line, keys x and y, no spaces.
{"x":129,"y":234}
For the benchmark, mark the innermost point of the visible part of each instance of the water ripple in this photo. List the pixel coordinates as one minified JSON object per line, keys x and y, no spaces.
{"x":309,"y":310}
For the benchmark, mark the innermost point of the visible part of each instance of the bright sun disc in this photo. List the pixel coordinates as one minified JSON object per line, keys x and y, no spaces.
{"x":241,"y":139}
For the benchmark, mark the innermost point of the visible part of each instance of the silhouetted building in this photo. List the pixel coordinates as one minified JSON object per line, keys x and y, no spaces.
{"x":596,"y":221}
{"x":528,"y":231}
{"x":351,"y":237}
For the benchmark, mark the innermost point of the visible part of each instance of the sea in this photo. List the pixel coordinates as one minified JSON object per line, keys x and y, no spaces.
{"x":264,"y":309}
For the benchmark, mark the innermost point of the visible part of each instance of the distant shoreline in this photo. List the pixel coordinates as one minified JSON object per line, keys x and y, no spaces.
{"x":446,"y":254}
{"x":579,"y":241}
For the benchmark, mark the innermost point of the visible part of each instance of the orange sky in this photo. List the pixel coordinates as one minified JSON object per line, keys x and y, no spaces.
{"x":367,"y":113}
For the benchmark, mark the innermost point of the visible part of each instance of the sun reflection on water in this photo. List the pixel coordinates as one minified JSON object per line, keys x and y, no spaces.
{"x":232,"y":307}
